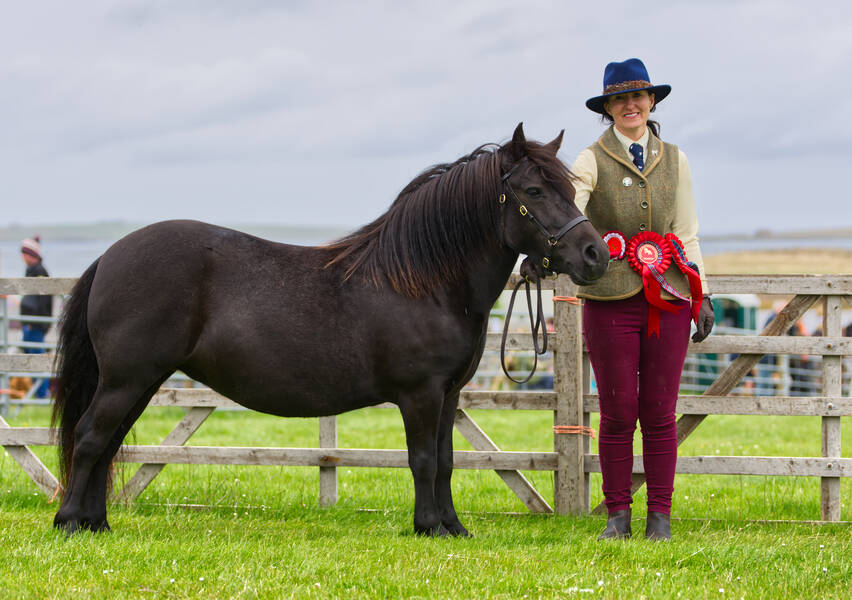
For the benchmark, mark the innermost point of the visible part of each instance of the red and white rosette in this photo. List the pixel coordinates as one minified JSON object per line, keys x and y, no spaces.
{"x":650,"y":254}
{"x":690,"y":271}
{"x":616,"y":243}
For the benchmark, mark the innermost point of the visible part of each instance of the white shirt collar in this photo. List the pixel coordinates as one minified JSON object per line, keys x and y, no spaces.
{"x":626,"y":141}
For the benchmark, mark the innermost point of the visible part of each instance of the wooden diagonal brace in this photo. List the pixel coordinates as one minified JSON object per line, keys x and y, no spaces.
{"x":514,"y":479}
{"x":32,"y":466}
{"x":178,"y":437}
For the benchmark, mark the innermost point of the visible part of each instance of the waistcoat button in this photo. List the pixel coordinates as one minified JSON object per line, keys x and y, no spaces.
{"x":641,"y":184}
{"x":627,"y":182}
{"x":642,"y":227}
{"x":644,"y":204}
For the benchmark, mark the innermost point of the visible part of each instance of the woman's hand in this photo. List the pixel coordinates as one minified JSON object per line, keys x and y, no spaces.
{"x":706,"y":318}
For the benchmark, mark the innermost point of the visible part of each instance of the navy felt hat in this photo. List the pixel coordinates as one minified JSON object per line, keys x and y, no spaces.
{"x":622,"y":77}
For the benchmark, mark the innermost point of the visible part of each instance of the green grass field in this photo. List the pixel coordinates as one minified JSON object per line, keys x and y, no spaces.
{"x":259,"y":531}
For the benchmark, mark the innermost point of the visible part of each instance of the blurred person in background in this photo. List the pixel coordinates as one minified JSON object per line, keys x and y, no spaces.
{"x":35,"y":305}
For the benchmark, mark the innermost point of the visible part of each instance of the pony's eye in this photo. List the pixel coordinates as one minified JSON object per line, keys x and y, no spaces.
{"x":533,"y":192}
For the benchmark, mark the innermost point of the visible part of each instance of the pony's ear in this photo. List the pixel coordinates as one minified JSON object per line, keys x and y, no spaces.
{"x":553,"y":147}
{"x":518,"y":137}
{"x":519,"y":143}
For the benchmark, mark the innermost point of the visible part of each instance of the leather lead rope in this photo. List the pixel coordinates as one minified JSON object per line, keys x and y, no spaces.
{"x":535,"y":327}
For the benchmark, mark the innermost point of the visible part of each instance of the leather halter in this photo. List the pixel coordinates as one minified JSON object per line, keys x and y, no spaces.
{"x":552,"y":238}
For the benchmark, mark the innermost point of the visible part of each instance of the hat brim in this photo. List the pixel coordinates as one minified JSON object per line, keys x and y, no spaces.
{"x":596,"y":104}
{"x":30,"y":252}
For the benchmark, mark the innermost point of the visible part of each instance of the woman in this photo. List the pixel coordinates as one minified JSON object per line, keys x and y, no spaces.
{"x":637,"y":191}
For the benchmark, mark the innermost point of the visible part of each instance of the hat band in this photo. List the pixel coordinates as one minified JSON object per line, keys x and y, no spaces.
{"x":626,"y":85}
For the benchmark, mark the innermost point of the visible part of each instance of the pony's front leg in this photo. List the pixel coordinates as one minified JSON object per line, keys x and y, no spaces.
{"x":421,"y":414}
{"x":443,"y":489}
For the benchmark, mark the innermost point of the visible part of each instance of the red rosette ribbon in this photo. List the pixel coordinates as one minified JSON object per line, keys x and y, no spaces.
{"x":690,"y":271}
{"x":650,"y":254}
{"x":616,"y":243}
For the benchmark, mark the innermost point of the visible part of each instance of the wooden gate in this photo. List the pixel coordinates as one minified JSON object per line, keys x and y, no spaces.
{"x":570,"y":402}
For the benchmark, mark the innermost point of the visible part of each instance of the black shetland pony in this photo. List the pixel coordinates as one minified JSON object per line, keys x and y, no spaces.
{"x":395,"y":312}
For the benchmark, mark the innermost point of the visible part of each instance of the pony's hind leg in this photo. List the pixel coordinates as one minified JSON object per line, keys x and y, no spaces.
{"x":98,"y":436}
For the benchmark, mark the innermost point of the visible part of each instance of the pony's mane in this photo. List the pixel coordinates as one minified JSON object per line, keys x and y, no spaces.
{"x":439,"y":219}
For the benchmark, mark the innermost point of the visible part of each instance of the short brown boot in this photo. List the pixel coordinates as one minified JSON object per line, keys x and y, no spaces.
{"x":658,"y":526}
{"x":617,"y":525}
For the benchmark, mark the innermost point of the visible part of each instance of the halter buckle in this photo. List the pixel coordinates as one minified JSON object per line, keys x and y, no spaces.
{"x":524,"y":210}
{"x":502,"y":199}
{"x":545,"y":262}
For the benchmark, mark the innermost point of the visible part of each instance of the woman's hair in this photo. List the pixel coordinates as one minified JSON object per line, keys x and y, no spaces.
{"x":654,"y":125}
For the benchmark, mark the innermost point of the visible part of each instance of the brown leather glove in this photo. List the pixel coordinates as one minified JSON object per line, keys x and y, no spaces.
{"x":706,"y":318}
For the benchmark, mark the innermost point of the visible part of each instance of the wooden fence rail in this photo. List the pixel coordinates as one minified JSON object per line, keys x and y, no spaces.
{"x":570,"y":401}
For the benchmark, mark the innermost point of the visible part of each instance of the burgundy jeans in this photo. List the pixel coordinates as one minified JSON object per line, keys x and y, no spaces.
{"x":637,"y":378}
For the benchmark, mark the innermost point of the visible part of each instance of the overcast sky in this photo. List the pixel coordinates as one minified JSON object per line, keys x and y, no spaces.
{"x":254,"y":111}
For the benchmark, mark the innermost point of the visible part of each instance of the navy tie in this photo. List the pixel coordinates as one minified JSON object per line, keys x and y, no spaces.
{"x":638,"y":159}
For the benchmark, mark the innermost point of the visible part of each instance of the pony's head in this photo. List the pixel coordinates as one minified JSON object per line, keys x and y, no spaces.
{"x":538,"y":214}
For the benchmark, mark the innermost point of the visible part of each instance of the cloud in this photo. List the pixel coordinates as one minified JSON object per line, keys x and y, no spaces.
{"x":202,"y":102}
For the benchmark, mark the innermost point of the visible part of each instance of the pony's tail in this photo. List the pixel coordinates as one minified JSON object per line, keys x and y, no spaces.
{"x":76,"y":369}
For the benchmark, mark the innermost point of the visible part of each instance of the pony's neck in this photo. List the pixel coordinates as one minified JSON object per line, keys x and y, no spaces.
{"x":488,"y":273}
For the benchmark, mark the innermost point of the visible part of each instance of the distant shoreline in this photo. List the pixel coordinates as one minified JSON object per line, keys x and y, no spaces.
{"x":767,"y":234}
{"x":117,"y":229}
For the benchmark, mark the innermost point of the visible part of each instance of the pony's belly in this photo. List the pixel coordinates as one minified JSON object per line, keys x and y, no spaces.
{"x":299,"y":403}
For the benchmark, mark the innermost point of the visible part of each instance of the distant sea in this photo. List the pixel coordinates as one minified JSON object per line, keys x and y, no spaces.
{"x":68,"y":250}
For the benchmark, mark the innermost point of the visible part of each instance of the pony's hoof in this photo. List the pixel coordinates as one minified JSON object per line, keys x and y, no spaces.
{"x":72,"y":526}
{"x":100,"y":526}
{"x":458,"y":530}
{"x":437,"y":531}
{"x":68,"y":527}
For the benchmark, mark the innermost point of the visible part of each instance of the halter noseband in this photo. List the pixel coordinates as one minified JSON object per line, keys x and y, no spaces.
{"x":552,"y":238}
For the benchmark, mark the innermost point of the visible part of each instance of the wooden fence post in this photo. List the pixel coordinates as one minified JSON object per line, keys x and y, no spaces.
{"x":587,"y":421}
{"x":569,"y":489}
{"x":831,"y":387}
{"x":328,"y":475}
{"x":5,"y":397}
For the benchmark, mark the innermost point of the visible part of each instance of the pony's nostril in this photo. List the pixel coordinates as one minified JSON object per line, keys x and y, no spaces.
{"x":592,"y":254}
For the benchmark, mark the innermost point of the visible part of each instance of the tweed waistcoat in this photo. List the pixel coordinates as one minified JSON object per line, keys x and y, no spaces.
{"x":630,"y":201}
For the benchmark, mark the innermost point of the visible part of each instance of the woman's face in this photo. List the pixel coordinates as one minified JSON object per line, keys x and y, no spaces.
{"x":630,"y":112}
